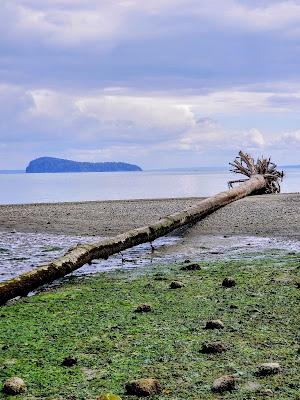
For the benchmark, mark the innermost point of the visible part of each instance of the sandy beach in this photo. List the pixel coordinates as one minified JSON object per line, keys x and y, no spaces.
{"x":264,"y":215}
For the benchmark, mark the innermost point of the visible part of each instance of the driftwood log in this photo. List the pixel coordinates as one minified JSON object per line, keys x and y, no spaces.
{"x":82,"y":254}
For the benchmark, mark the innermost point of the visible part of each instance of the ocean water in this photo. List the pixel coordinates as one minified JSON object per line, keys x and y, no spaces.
{"x":21,"y":188}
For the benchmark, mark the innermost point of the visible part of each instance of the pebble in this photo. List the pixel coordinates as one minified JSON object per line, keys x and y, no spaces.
{"x":143,"y":308}
{"x":225,"y":383}
{"x":229,"y":282}
{"x":176,"y":285}
{"x":214,"y":324}
{"x":269,"y":369}
{"x":213,"y":348}
{"x":14,"y":386}
{"x":143,"y":387}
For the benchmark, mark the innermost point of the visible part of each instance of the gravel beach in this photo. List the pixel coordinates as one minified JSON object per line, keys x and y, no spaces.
{"x":264,"y":215}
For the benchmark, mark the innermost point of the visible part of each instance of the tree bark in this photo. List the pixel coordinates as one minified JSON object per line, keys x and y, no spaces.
{"x":81,"y":254}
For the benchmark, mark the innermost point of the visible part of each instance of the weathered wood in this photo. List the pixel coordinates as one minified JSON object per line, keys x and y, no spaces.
{"x":244,"y":164}
{"x":81,"y":254}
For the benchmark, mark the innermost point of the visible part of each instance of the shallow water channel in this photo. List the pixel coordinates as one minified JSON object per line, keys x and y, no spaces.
{"x":21,"y":252}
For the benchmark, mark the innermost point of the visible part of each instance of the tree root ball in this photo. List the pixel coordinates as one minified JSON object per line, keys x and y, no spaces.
{"x":225,"y":383}
{"x":267,"y":369}
{"x":229,"y":282}
{"x":176,"y":285}
{"x":143,"y":387}
{"x":213,"y":348}
{"x":214,"y":324}
{"x":143,"y":308}
{"x":14,"y":386}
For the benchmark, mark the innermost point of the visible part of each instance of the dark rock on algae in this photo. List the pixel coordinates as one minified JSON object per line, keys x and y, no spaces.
{"x":176,"y":285}
{"x":143,"y":387}
{"x":214,"y":324}
{"x":143,"y":308}
{"x":213,"y":348}
{"x":191,"y":267}
{"x":267,"y":369}
{"x":229,"y":282}
{"x":108,"y":396}
{"x":14,"y":386}
{"x":69,"y":362}
{"x":225,"y":383}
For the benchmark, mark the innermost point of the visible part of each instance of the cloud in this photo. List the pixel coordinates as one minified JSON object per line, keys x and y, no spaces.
{"x":71,"y":23}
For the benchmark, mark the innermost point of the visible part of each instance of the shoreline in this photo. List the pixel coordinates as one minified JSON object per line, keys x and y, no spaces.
{"x":263,"y":215}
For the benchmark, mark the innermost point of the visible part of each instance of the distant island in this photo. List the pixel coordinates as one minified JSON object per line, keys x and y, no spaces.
{"x":51,"y":164}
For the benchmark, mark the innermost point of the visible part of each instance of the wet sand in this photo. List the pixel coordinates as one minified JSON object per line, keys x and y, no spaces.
{"x":265,"y":215}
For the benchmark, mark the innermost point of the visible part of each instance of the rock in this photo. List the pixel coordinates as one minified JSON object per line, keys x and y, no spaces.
{"x":297,"y":285}
{"x":143,"y":387}
{"x":14,"y":386}
{"x":214,"y":324}
{"x":109,"y":396}
{"x":253,"y":386}
{"x":266,"y":392}
{"x":269,"y":369}
{"x":213,"y":348}
{"x":191,"y":267}
{"x":176,"y":285}
{"x":229,"y":282}
{"x":143,"y":308}
{"x":225,"y":383}
{"x":69,"y":362}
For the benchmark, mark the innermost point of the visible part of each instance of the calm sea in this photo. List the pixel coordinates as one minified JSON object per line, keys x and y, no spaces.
{"x":18,"y":188}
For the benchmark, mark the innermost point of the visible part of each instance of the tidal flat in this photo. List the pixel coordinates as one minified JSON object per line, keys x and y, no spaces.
{"x":92,"y":319}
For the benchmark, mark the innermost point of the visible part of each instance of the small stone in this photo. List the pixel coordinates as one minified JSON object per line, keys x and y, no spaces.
{"x":191,"y":267}
{"x":229,"y":282}
{"x":297,"y":285}
{"x":143,"y":387}
{"x":225,"y":383}
{"x":69,"y":362}
{"x":266,"y":392}
{"x":109,"y":396}
{"x":213,"y":348}
{"x":214,"y":324}
{"x":176,"y":285}
{"x":14,"y":386}
{"x":143,"y":308}
{"x":269,"y":369}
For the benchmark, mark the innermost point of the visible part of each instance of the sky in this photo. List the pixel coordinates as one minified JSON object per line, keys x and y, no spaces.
{"x":162,"y":83}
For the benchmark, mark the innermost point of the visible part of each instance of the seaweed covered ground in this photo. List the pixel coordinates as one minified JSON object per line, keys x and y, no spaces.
{"x":93,"y":321}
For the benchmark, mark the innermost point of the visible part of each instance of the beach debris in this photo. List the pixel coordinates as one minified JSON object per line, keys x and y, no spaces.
{"x":176,"y":285}
{"x":228,"y":282}
{"x":213,"y":348}
{"x":14,"y":386}
{"x":214,"y":324}
{"x":143,"y":308}
{"x":267,"y":369}
{"x":225,"y":383}
{"x":191,"y":267}
{"x":244,"y":164}
{"x":69,"y":362}
{"x":108,"y":396}
{"x":143,"y":387}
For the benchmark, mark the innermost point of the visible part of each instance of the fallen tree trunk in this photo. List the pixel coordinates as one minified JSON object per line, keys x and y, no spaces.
{"x":82,"y":254}
{"x":262,"y":177}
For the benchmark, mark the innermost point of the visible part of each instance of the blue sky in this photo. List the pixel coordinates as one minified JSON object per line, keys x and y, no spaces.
{"x":169,"y":83}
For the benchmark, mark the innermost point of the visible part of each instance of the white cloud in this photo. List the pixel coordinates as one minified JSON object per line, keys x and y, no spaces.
{"x":71,"y":23}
